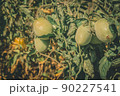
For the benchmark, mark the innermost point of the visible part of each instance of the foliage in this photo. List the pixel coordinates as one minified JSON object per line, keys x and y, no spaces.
{"x":63,"y":59}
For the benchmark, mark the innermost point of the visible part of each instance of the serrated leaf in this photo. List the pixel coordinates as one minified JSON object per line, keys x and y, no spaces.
{"x":51,"y":20}
{"x":81,"y":21}
{"x":88,"y":67}
{"x":116,"y":62}
{"x":76,"y":60}
{"x":110,"y":53}
{"x":72,"y":29}
{"x":103,"y":60}
{"x":104,"y":66}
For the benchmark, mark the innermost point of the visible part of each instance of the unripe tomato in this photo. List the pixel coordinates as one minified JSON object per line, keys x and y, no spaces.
{"x":83,"y":35}
{"x":42,"y":27}
{"x":103,"y":32}
{"x":41,"y":45}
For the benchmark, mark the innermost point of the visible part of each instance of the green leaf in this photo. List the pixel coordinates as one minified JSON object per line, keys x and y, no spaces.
{"x":40,"y":59}
{"x":30,"y":46}
{"x":88,"y":67}
{"x":92,"y":54}
{"x":25,"y":10}
{"x":10,"y":21}
{"x":76,"y":60}
{"x":51,"y":20}
{"x":4,"y":32}
{"x":110,"y":53}
{"x":60,"y":44}
{"x":113,"y":28}
{"x":104,"y":66}
{"x":32,"y":52}
{"x":33,"y":59}
{"x":13,"y":60}
{"x":116,"y":62}
{"x":118,"y":48}
{"x":58,"y":71}
{"x":45,"y":74}
{"x":46,"y":36}
{"x":72,"y":29}
{"x":17,"y":51}
{"x":81,"y":21}
{"x":73,"y":71}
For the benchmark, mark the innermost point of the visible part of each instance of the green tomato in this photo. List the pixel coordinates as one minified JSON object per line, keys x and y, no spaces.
{"x":41,"y":45}
{"x":42,"y":27}
{"x":103,"y":32}
{"x":83,"y":35}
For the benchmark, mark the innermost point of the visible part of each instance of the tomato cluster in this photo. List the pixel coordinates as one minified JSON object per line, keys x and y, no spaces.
{"x":41,"y":27}
{"x":103,"y":33}
{"x":83,"y":35}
